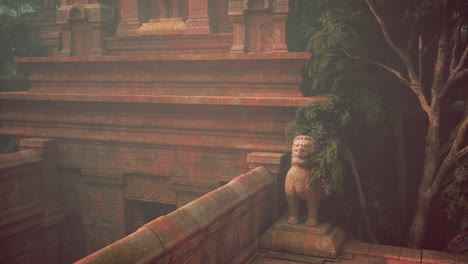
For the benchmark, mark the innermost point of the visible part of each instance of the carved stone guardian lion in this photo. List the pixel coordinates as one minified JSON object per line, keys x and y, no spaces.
{"x":300,"y":184}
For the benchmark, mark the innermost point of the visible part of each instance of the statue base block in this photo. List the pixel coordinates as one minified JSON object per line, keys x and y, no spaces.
{"x":322,"y":240}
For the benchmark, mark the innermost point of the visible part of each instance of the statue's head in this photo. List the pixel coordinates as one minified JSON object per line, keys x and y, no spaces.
{"x":302,"y":146}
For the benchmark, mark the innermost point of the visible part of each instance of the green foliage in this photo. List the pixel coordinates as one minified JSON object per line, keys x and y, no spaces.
{"x":14,"y":37}
{"x":455,"y":193}
{"x":325,"y":124}
{"x":329,"y":28}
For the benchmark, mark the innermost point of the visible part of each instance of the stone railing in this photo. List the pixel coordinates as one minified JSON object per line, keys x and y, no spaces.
{"x":28,"y":217}
{"x":222,"y":226}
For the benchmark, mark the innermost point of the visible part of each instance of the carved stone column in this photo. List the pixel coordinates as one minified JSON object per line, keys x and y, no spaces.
{"x":279,"y":32}
{"x":236,"y":13}
{"x":199,"y":21}
{"x":259,"y":25}
{"x":129,"y":18}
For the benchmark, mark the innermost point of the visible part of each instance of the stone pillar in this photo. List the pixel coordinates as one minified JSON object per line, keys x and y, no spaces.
{"x":236,"y":13}
{"x":280,"y":18}
{"x":259,"y":25}
{"x":279,"y":32}
{"x":199,"y":21}
{"x":53,"y":215}
{"x":276,"y":164}
{"x":83,"y":28}
{"x":129,"y":18}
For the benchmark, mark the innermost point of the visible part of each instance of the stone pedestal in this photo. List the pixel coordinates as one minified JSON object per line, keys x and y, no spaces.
{"x":259,"y":26}
{"x":323,"y":240}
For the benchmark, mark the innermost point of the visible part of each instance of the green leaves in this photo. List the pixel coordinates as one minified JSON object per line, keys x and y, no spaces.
{"x":14,"y":34}
{"x":455,"y":192}
{"x":330,"y":28}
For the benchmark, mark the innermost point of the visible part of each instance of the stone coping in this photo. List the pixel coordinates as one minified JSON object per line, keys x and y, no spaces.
{"x":170,"y":57}
{"x":356,"y":252}
{"x":367,"y":253}
{"x":19,"y":158}
{"x":168,"y":99}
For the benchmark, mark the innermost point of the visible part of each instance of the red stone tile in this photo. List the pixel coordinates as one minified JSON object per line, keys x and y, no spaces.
{"x":357,"y":247}
{"x":437,"y":257}
{"x":389,"y":252}
{"x":357,"y":259}
{"x":411,"y":254}
{"x":462,"y":259}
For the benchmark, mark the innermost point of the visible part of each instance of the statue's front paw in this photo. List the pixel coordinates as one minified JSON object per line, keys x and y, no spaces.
{"x":311,"y":222}
{"x":293,"y":220}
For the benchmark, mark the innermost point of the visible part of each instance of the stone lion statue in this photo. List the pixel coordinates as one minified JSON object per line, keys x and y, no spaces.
{"x":300,"y":184}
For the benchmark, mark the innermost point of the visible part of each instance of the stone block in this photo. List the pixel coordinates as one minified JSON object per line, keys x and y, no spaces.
{"x":462,"y":259}
{"x":214,"y":205}
{"x":254,"y":184}
{"x":322,"y":240}
{"x":384,"y":251}
{"x":437,"y":257}
{"x":411,"y":255}
{"x":174,"y":228}
{"x":142,"y":246}
{"x":357,"y":247}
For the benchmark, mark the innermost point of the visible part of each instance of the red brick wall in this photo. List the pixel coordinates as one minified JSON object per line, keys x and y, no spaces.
{"x":220,"y":227}
{"x":28,"y":226}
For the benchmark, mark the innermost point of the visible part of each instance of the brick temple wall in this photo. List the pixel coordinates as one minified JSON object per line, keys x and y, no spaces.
{"x":30,"y":221}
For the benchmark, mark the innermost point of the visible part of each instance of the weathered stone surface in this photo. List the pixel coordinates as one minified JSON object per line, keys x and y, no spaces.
{"x":215,"y":228}
{"x":437,"y":257}
{"x":322,"y":240}
{"x":139,"y":247}
{"x":29,"y":213}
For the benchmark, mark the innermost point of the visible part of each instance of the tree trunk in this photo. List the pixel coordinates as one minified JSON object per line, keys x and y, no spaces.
{"x":418,"y":225}
{"x":362,"y":200}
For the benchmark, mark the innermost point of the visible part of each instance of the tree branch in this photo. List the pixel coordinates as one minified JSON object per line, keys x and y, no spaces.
{"x":442,"y":50}
{"x":454,"y":154}
{"x":453,"y":135}
{"x":459,"y":137}
{"x":453,"y":60}
{"x":415,"y":83}
{"x":398,"y":50}
{"x":446,"y":165}
{"x":431,"y":43}
{"x":461,"y":63}
{"x":453,"y":79}
{"x":418,"y":92}
{"x":398,"y":74}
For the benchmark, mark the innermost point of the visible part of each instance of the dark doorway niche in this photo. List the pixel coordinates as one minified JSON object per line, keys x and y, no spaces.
{"x":138,"y":213}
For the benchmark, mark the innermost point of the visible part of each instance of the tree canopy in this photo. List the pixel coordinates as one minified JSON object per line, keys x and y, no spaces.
{"x":420,"y":43}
